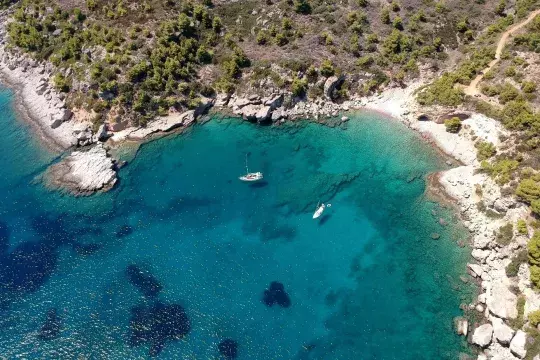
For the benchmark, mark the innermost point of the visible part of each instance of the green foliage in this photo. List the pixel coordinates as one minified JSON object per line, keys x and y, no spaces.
{"x":385,"y":16}
{"x":519,"y":321}
{"x":442,"y":92}
{"x":522,"y":227}
{"x":397,"y":23}
{"x":395,"y":6}
{"x":484,"y":150}
{"x":501,"y":170}
{"x":534,"y":318}
{"x":327,"y":68}
{"x":61,"y":83}
{"x":528,"y":190}
{"x":535,"y":275}
{"x":262,"y":37}
{"x":528,"y":87}
{"x":302,"y":7}
{"x":508,"y":93}
{"x":512,"y":269}
{"x":499,"y":10}
{"x":299,"y":87}
{"x":505,"y":234}
{"x":533,"y":247}
{"x":453,"y":125}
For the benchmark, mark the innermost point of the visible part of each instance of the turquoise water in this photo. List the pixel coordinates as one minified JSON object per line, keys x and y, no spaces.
{"x":177,"y":257}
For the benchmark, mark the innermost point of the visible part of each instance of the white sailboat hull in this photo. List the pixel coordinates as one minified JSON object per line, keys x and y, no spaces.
{"x":252,"y":177}
{"x":319,"y":211}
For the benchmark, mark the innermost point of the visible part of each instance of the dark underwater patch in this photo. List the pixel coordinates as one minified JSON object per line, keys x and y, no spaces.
{"x":228,"y":348}
{"x":143,"y":280}
{"x":86,"y":249}
{"x":157,"y":324}
{"x":123,"y":230}
{"x":28,"y":267}
{"x":51,"y":327}
{"x":276,"y":295}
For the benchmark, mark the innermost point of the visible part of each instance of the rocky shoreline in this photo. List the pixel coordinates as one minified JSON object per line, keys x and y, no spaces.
{"x":84,"y":172}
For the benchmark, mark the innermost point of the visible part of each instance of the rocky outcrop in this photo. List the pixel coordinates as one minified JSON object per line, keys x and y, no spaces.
{"x":500,"y":301}
{"x":83,"y":172}
{"x":482,"y":335}
{"x":517,"y":346}
{"x":331,"y":84}
{"x":502,"y":332}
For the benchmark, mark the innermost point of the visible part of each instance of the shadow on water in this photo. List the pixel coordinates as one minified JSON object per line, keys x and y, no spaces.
{"x":324,"y":219}
{"x":258,"y":184}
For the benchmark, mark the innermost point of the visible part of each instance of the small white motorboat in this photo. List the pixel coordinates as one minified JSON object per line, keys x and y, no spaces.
{"x":319,"y":211}
{"x":254,"y":176}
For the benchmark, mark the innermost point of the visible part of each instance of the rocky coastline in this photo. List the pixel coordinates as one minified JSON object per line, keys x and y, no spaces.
{"x":88,"y":168}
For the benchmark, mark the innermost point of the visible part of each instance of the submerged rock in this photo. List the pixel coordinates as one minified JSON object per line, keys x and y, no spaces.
{"x":228,"y":348}
{"x":157,"y":325}
{"x":83,"y":172}
{"x":51,"y":326}
{"x":276,"y":295}
{"x":144,"y":281}
{"x":461,"y":325}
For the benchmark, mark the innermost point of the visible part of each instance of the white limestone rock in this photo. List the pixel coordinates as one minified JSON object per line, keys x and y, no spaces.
{"x":500,"y":301}
{"x":502,"y":332}
{"x":517,"y":345}
{"x":482,"y":335}
{"x":83,"y":172}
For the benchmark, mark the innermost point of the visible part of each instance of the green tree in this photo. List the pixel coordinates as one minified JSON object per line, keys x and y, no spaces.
{"x":397,"y":23}
{"x":522,"y":227}
{"x":302,"y":7}
{"x":534,"y":318}
{"x":61,"y":83}
{"x":484,"y":150}
{"x":528,"y":190}
{"x":499,"y":10}
{"x":452,"y":125}
{"x":327,"y":68}
{"x":385,"y":15}
{"x":533,"y":247}
{"x":299,"y":87}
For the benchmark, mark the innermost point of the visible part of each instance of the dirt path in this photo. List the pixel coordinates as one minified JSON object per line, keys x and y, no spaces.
{"x":472,"y":89}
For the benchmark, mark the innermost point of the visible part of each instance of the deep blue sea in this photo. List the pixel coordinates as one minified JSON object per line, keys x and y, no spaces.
{"x":181,"y":260}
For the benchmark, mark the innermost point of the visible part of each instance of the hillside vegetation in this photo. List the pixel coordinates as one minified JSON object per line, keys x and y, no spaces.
{"x":138,"y":59}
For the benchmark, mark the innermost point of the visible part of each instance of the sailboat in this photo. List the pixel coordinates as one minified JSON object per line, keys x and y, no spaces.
{"x":254,"y":176}
{"x":319,"y":211}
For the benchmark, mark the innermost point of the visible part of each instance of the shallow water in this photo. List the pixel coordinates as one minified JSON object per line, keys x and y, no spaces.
{"x":366,"y":281}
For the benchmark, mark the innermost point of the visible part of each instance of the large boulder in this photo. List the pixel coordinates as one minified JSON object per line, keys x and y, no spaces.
{"x":500,"y":301}
{"x":482,"y":335}
{"x":517,"y":345}
{"x":331,"y":84}
{"x":274,"y":102}
{"x":502,"y":332}
{"x":263,"y":113}
{"x":101,"y":133}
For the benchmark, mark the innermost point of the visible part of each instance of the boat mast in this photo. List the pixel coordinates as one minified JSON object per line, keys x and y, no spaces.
{"x":247,"y":170}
